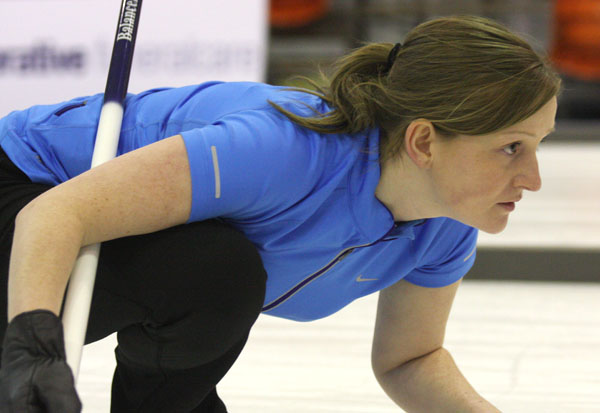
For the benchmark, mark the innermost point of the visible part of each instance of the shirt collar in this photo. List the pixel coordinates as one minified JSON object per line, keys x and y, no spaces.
{"x":373,"y":218}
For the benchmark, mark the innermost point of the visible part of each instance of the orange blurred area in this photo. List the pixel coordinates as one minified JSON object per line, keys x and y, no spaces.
{"x":575,"y":46}
{"x":297,"y":13}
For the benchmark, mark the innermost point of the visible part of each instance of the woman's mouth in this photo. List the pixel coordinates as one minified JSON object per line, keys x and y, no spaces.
{"x":509,"y":206}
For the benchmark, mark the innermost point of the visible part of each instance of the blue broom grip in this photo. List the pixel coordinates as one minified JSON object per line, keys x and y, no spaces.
{"x":122,"y":55}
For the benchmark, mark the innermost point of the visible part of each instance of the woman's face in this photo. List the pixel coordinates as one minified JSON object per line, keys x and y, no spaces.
{"x":478,"y":179}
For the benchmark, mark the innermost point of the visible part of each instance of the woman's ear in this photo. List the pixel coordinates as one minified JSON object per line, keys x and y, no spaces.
{"x":418,"y":140}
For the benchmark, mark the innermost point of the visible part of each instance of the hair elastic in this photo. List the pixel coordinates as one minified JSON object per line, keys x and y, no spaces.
{"x":392,"y":56}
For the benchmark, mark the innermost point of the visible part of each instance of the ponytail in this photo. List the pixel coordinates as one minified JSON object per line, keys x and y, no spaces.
{"x":356,"y":91}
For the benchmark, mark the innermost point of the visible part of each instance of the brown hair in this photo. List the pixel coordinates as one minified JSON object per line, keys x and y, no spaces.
{"x":466,"y":74}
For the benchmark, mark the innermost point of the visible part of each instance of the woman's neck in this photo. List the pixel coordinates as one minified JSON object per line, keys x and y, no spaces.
{"x":406,"y":190}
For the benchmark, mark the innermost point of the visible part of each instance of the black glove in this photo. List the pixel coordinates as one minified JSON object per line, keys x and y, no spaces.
{"x":35,"y":377}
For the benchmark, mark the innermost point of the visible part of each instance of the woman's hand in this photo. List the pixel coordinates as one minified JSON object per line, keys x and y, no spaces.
{"x":35,"y":376}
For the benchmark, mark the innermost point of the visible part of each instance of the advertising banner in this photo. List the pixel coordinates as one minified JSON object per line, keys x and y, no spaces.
{"x":52,"y":50}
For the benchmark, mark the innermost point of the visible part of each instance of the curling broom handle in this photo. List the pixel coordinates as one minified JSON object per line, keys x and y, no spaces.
{"x":81,"y":284}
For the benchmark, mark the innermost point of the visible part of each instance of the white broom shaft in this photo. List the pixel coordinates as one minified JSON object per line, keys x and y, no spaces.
{"x":81,"y":284}
{"x":77,"y":309}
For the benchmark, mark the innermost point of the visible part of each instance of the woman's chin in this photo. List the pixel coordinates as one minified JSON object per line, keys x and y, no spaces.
{"x":493,"y":228}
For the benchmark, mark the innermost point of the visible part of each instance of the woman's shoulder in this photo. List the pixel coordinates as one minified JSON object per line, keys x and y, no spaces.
{"x":257,"y":95}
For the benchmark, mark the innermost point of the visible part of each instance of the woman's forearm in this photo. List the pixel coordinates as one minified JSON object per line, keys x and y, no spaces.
{"x":107,"y":202}
{"x":433,"y":383}
{"x":45,"y":245}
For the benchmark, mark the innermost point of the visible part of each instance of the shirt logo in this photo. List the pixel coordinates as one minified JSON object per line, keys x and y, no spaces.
{"x":215,"y":159}
{"x":361,"y":279}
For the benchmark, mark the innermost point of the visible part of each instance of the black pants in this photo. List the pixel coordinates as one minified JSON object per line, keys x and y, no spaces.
{"x":182,"y":302}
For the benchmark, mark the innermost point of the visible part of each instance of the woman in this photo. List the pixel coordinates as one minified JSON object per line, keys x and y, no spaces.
{"x":246,"y":197}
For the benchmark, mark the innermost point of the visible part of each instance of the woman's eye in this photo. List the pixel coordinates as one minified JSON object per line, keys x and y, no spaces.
{"x":512,"y":148}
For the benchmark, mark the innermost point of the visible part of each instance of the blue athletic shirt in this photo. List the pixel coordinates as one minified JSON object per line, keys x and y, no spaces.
{"x":306,"y":200}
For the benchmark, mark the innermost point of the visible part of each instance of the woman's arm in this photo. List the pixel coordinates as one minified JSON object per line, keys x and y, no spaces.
{"x":408,"y":358}
{"x":143,"y":191}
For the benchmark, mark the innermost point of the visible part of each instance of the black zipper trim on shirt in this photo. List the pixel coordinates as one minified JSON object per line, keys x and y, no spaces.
{"x":343,"y":254}
{"x":69,"y":107}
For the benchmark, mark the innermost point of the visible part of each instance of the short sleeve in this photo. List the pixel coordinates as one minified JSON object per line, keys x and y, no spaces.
{"x":247,"y":165}
{"x":449,"y":257}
